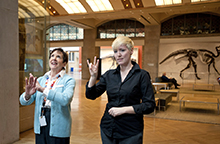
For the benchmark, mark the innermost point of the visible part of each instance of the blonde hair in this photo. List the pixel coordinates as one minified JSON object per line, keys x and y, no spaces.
{"x":122,"y":40}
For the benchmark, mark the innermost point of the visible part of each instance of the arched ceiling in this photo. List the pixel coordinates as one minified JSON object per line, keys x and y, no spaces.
{"x":144,"y":11}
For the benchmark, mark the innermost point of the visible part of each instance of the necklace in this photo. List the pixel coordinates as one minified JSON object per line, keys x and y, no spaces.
{"x":51,"y":86}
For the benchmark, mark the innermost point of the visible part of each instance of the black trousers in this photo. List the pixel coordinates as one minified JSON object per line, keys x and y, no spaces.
{"x":44,"y":137}
{"x":174,"y":82}
{"x":136,"y":139}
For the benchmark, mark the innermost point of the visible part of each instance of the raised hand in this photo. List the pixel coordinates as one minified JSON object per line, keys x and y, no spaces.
{"x":93,"y":68}
{"x":30,"y":87}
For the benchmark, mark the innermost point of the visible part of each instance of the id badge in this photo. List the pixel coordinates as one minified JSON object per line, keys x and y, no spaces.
{"x":42,"y":120}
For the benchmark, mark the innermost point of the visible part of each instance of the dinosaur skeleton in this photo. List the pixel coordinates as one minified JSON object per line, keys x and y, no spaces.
{"x":206,"y":56}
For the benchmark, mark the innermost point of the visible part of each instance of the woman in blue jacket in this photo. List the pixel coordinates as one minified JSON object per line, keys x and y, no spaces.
{"x":130,"y":95}
{"x":52,"y":94}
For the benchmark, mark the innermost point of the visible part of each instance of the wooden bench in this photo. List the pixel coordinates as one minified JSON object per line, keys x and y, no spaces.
{"x":200,"y":100}
{"x":203,"y":86}
{"x":156,"y":84}
{"x":174,"y":92}
{"x":164,"y":99}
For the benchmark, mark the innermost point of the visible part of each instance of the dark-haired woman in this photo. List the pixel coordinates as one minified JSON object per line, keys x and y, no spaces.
{"x":52,"y":94}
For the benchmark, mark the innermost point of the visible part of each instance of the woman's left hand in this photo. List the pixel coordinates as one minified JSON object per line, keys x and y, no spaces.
{"x":117,"y":111}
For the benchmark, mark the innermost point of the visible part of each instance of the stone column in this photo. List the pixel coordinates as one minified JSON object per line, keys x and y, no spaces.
{"x":89,"y":50}
{"x":151,"y":50}
{"x":9,"y":74}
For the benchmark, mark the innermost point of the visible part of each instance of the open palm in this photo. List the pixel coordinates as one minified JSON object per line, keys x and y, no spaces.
{"x":30,"y":87}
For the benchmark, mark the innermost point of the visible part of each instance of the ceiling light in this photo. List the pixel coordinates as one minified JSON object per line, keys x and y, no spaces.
{"x":198,"y":0}
{"x":100,"y":5}
{"x":72,"y":6}
{"x":167,"y":2}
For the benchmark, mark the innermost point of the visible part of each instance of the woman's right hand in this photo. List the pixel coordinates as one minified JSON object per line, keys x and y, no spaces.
{"x":30,"y":87}
{"x":93,"y":68}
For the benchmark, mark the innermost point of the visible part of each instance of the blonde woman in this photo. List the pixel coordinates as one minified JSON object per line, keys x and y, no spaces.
{"x":130,"y":95}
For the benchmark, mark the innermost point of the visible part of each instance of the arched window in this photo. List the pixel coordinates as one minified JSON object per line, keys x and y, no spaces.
{"x":62,"y":32}
{"x":125,"y":27}
{"x":195,"y":23}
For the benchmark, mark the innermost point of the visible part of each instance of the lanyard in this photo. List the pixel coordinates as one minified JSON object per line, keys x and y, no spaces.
{"x":51,"y":86}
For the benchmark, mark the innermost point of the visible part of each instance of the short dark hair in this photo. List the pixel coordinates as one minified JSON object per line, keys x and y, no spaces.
{"x":65,"y":56}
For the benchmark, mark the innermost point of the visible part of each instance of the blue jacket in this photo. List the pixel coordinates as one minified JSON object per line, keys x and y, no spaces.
{"x":60,"y":97}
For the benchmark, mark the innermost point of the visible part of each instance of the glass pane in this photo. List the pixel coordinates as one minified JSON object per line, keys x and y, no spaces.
{"x":130,"y":28}
{"x":56,"y":32}
{"x":101,"y":31}
{"x":110,"y":33}
{"x":64,"y":32}
{"x":51,"y":33}
{"x":166,"y":28}
{"x":72,"y":33}
{"x":33,"y":49}
{"x":191,"y":24}
{"x":110,"y":29}
{"x":139,"y":30}
{"x":103,"y":35}
{"x":215,"y":28}
{"x":120,"y":27}
{"x":203,"y":23}
{"x":79,"y":33}
{"x":178,"y":25}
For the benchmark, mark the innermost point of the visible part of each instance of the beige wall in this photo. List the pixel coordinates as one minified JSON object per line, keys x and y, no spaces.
{"x":9,"y":74}
{"x":173,"y":66}
{"x":89,"y":50}
{"x":150,"y":50}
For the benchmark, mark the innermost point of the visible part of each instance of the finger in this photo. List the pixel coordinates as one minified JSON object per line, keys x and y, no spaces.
{"x":35,"y":81}
{"x":26,"y":81}
{"x":88,"y":62}
{"x":97,"y":64}
{"x":30,"y":79}
{"x":94,"y":60}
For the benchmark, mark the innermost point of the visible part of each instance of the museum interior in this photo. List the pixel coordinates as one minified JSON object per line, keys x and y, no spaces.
{"x":178,"y":37}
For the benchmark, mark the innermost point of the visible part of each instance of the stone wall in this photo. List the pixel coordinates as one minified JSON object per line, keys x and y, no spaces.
{"x":9,"y":74}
